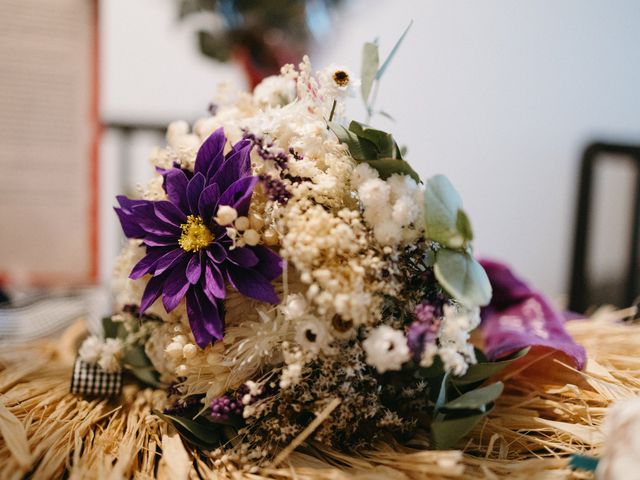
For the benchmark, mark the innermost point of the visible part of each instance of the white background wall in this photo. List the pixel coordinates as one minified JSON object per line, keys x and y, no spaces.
{"x":500,"y":95}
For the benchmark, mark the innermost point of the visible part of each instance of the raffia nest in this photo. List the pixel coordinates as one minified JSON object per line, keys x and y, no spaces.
{"x":548,"y":411}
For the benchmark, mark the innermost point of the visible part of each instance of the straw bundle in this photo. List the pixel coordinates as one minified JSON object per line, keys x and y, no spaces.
{"x":547,"y":412}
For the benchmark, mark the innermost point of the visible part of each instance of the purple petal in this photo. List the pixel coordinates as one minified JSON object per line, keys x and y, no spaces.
{"x":251,"y":284}
{"x":147,"y":263}
{"x":238,"y":195}
{"x":168,"y":260}
{"x":216,"y":252}
{"x":204,"y":319}
{"x":176,"y":182}
{"x":210,"y":154}
{"x":160,"y":240}
{"x":194,"y":269}
{"x":213,"y":282}
{"x":175,"y":287}
{"x":270,"y":264}
{"x":151,"y":292}
{"x":237,"y":166}
{"x":147,"y":219}
{"x":194,"y":189}
{"x":129,"y":226}
{"x":243,"y":257}
{"x":169,"y":213}
{"x":207,"y":202}
{"x":127,"y":204}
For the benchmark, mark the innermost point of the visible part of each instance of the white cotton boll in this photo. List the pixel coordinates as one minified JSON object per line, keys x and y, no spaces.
{"x":404,"y":211}
{"x":186,"y":142}
{"x":387,"y":233}
{"x":110,"y":355}
{"x":452,"y":361}
{"x":401,"y":185}
{"x":91,"y":349}
{"x":620,"y":459}
{"x":374,"y":193}
{"x":362,"y":173}
{"x":386,"y":349}
{"x":206,"y":126}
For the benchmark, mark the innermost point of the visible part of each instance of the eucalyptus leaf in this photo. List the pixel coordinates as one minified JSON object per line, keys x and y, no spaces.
{"x":370,"y":63}
{"x":476,"y":399}
{"x":480,"y":371}
{"x":393,"y":52}
{"x":199,"y":434}
{"x":447,"y":432}
{"x":441,"y":205}
{"x":462,"y":277}
{"x":463,"y":225}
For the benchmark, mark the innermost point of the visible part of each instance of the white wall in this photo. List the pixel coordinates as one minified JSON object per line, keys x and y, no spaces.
{"x":500,"y":95}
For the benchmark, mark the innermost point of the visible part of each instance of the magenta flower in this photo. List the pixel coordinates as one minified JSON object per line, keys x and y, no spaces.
{"x":188,"y":253}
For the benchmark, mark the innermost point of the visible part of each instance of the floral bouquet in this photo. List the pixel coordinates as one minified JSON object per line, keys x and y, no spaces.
{"x":290,"y":280}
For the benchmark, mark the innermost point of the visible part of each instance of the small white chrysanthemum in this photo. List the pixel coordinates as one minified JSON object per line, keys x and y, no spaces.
{"x":620,"y":458}
{"x":313,"y":336}
{"x":274,"y":91}
{"x":386,"y":349}
{"x":91,"y":349}
{"x":338,"y":82}
{"x":110,"y":355}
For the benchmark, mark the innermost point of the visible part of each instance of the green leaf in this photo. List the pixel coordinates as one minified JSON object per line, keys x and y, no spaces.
{"x":583,"y":462}
{"x":463,"y":225}
{"x":447,"y":432}
{"x":203,"y":435}
{"x":360,"y":149}
{"x":462,"y":277}
{"x":136,"y":357}
{"x":441,"y":204}
{"x":370,"y":63}
{"x":388,"y":166}
{"x":147,"y":375}
{"x":476,"y":399}
{"x":384,"y":143}
{"x":110,"y":327}
{"x":479,"y":372}
{"x":393,"y":52}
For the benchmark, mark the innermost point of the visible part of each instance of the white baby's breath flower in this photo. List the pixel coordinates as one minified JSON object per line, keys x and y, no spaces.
{"x":274,"y":91}
{"x":620,"y":458}
{"x":226,"y":215}
{"x":386,"y":349}
{"x":91,"y":349}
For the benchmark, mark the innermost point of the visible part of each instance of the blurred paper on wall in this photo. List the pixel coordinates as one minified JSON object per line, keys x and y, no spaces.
{"x":47,"y":140}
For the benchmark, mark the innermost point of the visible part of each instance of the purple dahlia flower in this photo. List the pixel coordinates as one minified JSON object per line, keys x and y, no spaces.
{"x":188,"y":253}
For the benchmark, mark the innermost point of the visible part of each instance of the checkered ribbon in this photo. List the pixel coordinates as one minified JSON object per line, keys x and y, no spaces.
{"x":91,"y":380}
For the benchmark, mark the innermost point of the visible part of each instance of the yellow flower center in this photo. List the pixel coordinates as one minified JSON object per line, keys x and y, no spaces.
{"x":195,"y":235}
{"x":341,"y":78}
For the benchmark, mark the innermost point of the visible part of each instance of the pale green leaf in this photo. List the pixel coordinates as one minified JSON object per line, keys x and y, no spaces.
{"x":447,"y":432}
{"x":476,"y":399}
{"x":462,"y":277}
{"x":370,"y":63}
{"x":479,"y":372}
{"x":393,"y":52}
{"x":463,"y":225}
{"x":441,"y":205}
{"x":360,"y":148}
{"x":201,"y":434}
